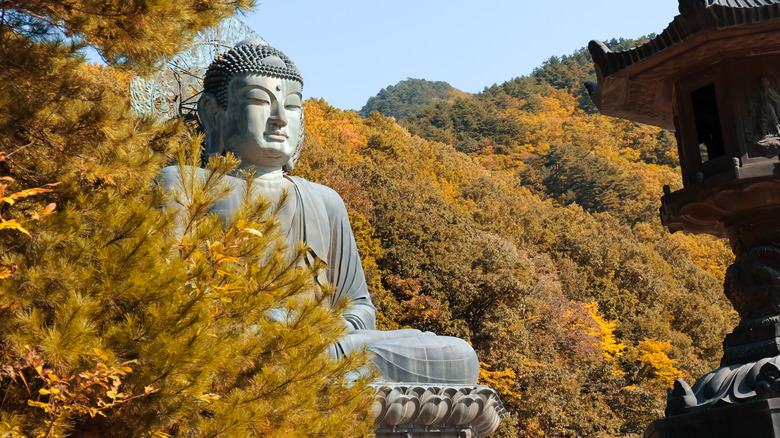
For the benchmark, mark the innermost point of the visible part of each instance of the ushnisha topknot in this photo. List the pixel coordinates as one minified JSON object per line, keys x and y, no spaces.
{"x":248,"y":56}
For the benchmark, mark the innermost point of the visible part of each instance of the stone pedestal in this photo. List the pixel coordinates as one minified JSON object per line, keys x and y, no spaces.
{"x":742,"y":397}
{"x":757,"y":419}
{"x":436,"y":411}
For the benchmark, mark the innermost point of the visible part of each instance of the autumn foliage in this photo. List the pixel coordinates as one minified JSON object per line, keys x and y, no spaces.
{"x":527,"y":224}
{"x":516,"y":218}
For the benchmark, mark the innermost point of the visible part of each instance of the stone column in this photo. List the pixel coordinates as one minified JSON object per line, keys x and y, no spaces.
{"x":739,"y":399}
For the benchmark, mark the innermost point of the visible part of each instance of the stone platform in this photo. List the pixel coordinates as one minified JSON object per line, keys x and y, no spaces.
{"x":756,"y":419}
{"x":436,"y":411}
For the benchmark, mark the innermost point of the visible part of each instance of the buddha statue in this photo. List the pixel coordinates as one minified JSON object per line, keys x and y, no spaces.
{"x":251,"y":106}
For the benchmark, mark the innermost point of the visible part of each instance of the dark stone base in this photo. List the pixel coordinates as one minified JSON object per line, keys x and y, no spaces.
{"x":758,"y":419}
{"x":749,"y":344}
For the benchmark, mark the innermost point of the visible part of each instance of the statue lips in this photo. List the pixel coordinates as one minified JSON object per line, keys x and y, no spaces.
{"x":279,"y":136}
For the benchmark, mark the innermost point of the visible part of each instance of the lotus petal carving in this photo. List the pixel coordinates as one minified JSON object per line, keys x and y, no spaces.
{"x":412,"y":408}
{"x":728,"y":385}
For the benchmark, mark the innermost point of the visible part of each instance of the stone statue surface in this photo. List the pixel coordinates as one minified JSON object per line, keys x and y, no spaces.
{"x":251,"y":106}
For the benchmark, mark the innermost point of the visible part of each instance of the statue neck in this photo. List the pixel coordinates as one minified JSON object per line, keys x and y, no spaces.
{"x":268,"y":183}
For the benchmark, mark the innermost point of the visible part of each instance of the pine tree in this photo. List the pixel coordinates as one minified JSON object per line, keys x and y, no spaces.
{"x":111,"y":322}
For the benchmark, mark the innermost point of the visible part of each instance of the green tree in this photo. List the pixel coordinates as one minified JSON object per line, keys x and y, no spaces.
{"x":577,"y":175}
{"x":570,"y":72}
{"x":135,"y":34}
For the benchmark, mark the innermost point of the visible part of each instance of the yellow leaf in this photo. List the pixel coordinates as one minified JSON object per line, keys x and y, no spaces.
{"x":654,"y":353}
{"x":5,"y":273}
{"x":99,"y":354}
{"x":43,"y":391}
{"x":111,"y":394}
{"x":36,"y":404}
{"x":228,"y":288}
{"x":49,"y":208}
{"x":12,"y":225}
{"x":28,"y":192}
{"x":209,"y":397}
{"x":252,"y":231}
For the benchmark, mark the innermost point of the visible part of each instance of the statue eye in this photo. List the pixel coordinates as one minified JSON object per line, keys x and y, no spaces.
{"x":292,"y":103}
{"x":257,"y":96}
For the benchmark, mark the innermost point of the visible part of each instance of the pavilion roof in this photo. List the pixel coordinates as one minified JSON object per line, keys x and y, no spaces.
{"x":637,"y":84}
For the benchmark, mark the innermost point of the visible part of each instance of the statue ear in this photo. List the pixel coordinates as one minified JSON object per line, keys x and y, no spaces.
{"x":211,"y":115}
{"x":290,"y":165}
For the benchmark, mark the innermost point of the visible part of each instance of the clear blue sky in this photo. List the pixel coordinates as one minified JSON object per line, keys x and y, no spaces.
{"x":348,"y":50}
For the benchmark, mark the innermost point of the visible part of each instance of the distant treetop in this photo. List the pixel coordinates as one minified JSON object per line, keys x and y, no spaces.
{"x":570,"y":72}
{"x":409,"y":96}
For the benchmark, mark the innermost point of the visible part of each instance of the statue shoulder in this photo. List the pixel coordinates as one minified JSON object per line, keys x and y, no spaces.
{"x":170,"y":177}
{"x":329,"y":197}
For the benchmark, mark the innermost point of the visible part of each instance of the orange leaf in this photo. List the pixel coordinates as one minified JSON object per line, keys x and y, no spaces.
{"x":29,"y":192}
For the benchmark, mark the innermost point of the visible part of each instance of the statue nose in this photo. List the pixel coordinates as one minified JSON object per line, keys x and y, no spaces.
{"x":278,"y":118}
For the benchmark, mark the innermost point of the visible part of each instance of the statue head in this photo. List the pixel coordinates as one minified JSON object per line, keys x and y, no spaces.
{"x":251,"y":106}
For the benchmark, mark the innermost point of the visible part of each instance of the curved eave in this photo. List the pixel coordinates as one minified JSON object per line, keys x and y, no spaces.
{"x":637,"y":84}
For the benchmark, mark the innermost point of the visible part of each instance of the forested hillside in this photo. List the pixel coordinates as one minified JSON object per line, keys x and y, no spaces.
{"x":516,"y":218}
{"x":525,"y":223}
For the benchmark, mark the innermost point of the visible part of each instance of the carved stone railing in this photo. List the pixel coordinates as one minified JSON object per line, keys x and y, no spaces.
{"x":419,"y":410}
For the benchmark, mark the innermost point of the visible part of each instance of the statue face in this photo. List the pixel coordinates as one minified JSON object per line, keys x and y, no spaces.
{"x":263,"y":120}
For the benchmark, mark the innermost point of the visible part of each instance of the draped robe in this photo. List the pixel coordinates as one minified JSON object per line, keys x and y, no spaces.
{"x":316,"y":215}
